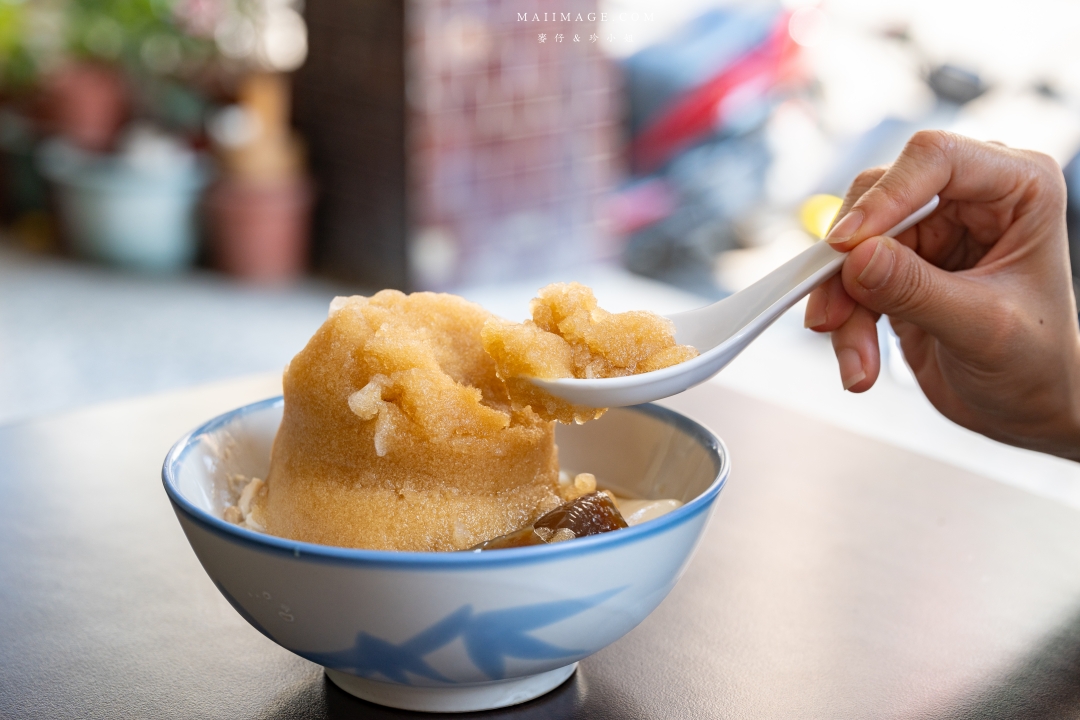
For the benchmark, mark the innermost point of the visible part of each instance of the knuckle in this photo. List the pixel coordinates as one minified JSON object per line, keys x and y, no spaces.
{"x":913,"y":290}
{"x":863,"y":183}
{"x":938,"y":144}
{"x":1040,"y":165}
{"x":909,"y":288}
{"x":868,"y":177}
{"x":1042,"y":160}
{"x":1047,"y":174}
{"x":889,"y":195}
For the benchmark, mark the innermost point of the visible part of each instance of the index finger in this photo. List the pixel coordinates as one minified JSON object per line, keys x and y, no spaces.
{"x":932,"y":163}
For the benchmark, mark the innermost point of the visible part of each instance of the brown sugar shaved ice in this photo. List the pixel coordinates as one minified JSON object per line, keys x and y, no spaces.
{"x":410,"y":423}
{"x":398,"y":433}
{"x":523,"y":351}
{"x":604,"y":344}
{"x":570,"y":336}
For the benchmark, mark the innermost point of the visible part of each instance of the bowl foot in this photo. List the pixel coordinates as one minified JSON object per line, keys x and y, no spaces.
{"x":455,"y":698}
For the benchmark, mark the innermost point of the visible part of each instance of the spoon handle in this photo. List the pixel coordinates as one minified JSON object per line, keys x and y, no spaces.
{"x":915,"y":217}
{"x":754,"y":308}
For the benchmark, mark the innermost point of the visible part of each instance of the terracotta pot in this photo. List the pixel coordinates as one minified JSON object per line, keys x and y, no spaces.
{"x":260,"y":231}
{"x":87,"y":104}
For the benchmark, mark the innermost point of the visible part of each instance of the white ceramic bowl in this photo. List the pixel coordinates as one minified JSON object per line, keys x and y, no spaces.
{"x":454,"y":632}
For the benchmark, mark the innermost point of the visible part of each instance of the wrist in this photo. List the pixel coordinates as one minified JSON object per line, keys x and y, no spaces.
{"x":1070,"y":447}
{"x":1072,"y":451}
{"x":1057,"y":432}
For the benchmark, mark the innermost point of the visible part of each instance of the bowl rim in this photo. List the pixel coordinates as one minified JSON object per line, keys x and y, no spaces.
{"x":405,"y":559}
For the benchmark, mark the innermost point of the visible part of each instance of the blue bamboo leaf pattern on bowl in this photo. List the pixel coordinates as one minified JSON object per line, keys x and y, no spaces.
{"x":489,"y":638}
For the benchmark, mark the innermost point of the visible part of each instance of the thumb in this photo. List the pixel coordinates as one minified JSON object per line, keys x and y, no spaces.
{"x":890,"y":278}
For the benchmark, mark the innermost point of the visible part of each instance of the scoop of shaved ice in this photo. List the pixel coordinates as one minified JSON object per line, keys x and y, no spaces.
{"x":570,"y":336}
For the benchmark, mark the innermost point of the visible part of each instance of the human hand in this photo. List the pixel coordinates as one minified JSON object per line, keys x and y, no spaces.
{"x":979,"y":293}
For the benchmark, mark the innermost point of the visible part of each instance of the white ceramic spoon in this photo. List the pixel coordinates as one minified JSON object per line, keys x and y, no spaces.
{"x":719,"y":331}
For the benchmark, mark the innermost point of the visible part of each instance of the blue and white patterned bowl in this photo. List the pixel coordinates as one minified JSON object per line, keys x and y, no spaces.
{"x":454,"y":632}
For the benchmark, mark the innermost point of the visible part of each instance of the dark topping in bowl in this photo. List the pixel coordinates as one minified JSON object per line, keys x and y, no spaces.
{"x":590,"y":514}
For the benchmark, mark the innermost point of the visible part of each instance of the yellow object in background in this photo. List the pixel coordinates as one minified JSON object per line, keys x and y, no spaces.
{"x":34,"y":231}
{"x":818,"y":212}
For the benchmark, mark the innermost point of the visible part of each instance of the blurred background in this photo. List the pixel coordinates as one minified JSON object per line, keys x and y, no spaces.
{"x":185,"y":184}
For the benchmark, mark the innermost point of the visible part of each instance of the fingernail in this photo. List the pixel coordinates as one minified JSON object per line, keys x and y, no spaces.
{"x":851,"y":369}
{"x":847,"y":227}
{"x":816,"y":311}
{"x":877,"y":271}
{"x":812,"y":321}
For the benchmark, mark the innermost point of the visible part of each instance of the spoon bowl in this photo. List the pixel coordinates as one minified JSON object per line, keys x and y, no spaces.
{"x":719,"y":331}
